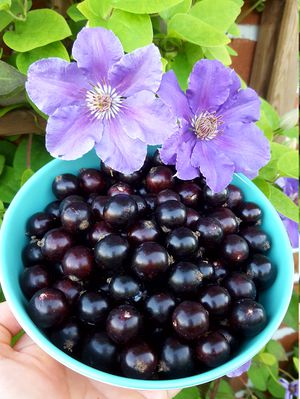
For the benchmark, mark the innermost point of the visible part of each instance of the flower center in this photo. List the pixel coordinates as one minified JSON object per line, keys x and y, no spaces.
{"x":206,"y":125}
{"x":103,"y":101}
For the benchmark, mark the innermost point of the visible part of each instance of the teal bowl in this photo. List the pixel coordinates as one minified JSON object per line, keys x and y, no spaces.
{"x":36,"y":194}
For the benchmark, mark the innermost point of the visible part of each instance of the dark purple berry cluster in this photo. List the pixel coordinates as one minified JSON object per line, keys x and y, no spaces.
{"x":144,"y":275}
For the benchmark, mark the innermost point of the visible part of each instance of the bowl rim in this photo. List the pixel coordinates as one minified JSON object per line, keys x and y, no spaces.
{"x":37,"y":336}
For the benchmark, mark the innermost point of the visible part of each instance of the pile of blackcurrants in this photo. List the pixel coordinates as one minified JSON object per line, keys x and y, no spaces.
{"x":145,"y":275}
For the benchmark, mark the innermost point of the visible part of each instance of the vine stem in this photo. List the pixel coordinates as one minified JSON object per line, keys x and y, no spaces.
{"x":215,"y":389}
{"x":246,"y":387}
{"x":246,"y":13}
{"x":15,"y":16}
{"x":287,"y":374}
{"x":28,"y":153}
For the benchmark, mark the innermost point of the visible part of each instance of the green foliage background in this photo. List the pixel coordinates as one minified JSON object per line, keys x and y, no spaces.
{"x":185,"y":31}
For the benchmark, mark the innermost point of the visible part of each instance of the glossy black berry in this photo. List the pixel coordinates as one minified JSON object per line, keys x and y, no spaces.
{"x":34,"y":279}
{"x":55,"y":244}
{"x":227,"y":220}
{"x":143,"y":231}
{"x":68,"y":201}
{"x":100,"y":352}
{"x":92,"y":308}
{"x":257,"y":239}
{"x":53,"y":209}
{"x":138,"y":360}
{"x":78,"y":263}
{"x":123,"y":324}
{"x":48,"y":308}
{"x":192,"y":217}
{"x":64,"y":185}
{"x":120,"y":211}
{"x":125,"y":288}
{"x":240,"y":286}
{"x":261,"y":270}
{"x":150,"y":261}
{"x":235,"y":196}
{"x":212,"y":350}
{"x":76,"y":217}
{"x":248,"y":317}
{"x":249,"y":212}
{"x":67,"y":337}
{"x":97,"y":232}
{"x":159,"y":178}
{"x":182,"y":242}
{"x":235,"y":248}
{"x":156,"y":159}
{"x":71,"y":289}
{"x":98,"y":205}
{"x":32,"y":254}
{"x":190,"y":194}
{"x":214,"y":199}
{"x":220,"y":270}
{"x":108,"y":171}
{"x":39,"y":223}
{"x":190,"y":320}
{"x":91,"y":181}
{"x":185,"y":279}
{"x":167,"y":195}
{"x":159,"y":307}
{"x":111,"y":252}
{"x":216,"y":300}
{"x":170,"y":214}
{"x":151,"y":201}
{"x":142,"y":206}
{"x":176,"y":360}
{"x":119,"y":188}
{"x":230,"y":337}
{"x":206,"y":269}
{"x":209,"y":231}
{"x":132,"y":179}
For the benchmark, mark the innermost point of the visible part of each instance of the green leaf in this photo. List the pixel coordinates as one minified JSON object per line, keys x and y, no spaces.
{"x":291,"y":317}
{"x":269,"y":172}
{"x":11,"y":80}
{"x":182,"y":69}
{"x":5,"y":110}
{"x":8,"y":150}
{"x":84,"y":9}
{"x":276,"y":389}
{"x":220,"y":14}
{"x":283,"y":204}
{"x":262,"y":185}
{"x":2,"y":163}
{"x":144,"y":6}
{"x":16,"y":8}
{"x":102,"y":8}
{"x":271,"y":114}
{"x":277,"y":350}
{"x":26,"y":176}
{"x":218,"y":53}
{"x":5,"y":5}
{"x":296,"y":363}
{"x":38,"y":156}
{"x":259,"y":375}
{"x":133,"y":30}
{"x":2,"y":298}
{"x":277,"y":150}
{"x":182,"y":7}
{"x":74,"y":13}
{"x":292,"y":133}
{"x":194,"y":30}
{"x":9,"y":185}
{"x":41,"y":27}
{"x":234,"y":30}
{"x":56,"y":49}
{"x":267,"y":358}
{"x":231,"y":51}
{"x":193,"y":52}
{"x":288,"y":164}
{"x":189,"y":393}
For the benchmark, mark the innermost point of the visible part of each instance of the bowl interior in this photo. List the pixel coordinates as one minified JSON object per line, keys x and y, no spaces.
{"x":36,"y":194}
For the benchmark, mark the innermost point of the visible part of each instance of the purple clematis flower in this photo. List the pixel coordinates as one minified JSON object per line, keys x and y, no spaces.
{"x":290,"y":187}
{"x":241,"y":370}
{"x":106,"y":99}
{"x":291,"y":388}
{"x":216,"y":134}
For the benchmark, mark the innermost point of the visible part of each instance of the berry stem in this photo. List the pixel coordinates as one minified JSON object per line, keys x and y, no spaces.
{"x":28,"y":153}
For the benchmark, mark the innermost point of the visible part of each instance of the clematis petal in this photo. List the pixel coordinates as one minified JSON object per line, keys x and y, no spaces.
{"x":246,"y":146}
{"x":71,"y":132}
{"x":170,"y":148}
{"x":243,"y":107}
{"x":184,"y":167}
{"x":292,"y":229}
{"x":147,"y":118}
{"x":241,"y":370}
{"x":53,"y":83}
{"x":171,"y":93}
{"x":137,"y":71}
{"x":214,"y":165}
{"x":209,"y":86}
{"x":96,"y":50}
{"x":119,"y":151}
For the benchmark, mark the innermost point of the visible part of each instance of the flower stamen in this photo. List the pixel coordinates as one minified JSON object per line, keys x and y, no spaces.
{"x":103,"y":101}
{"x":206,"y":125}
